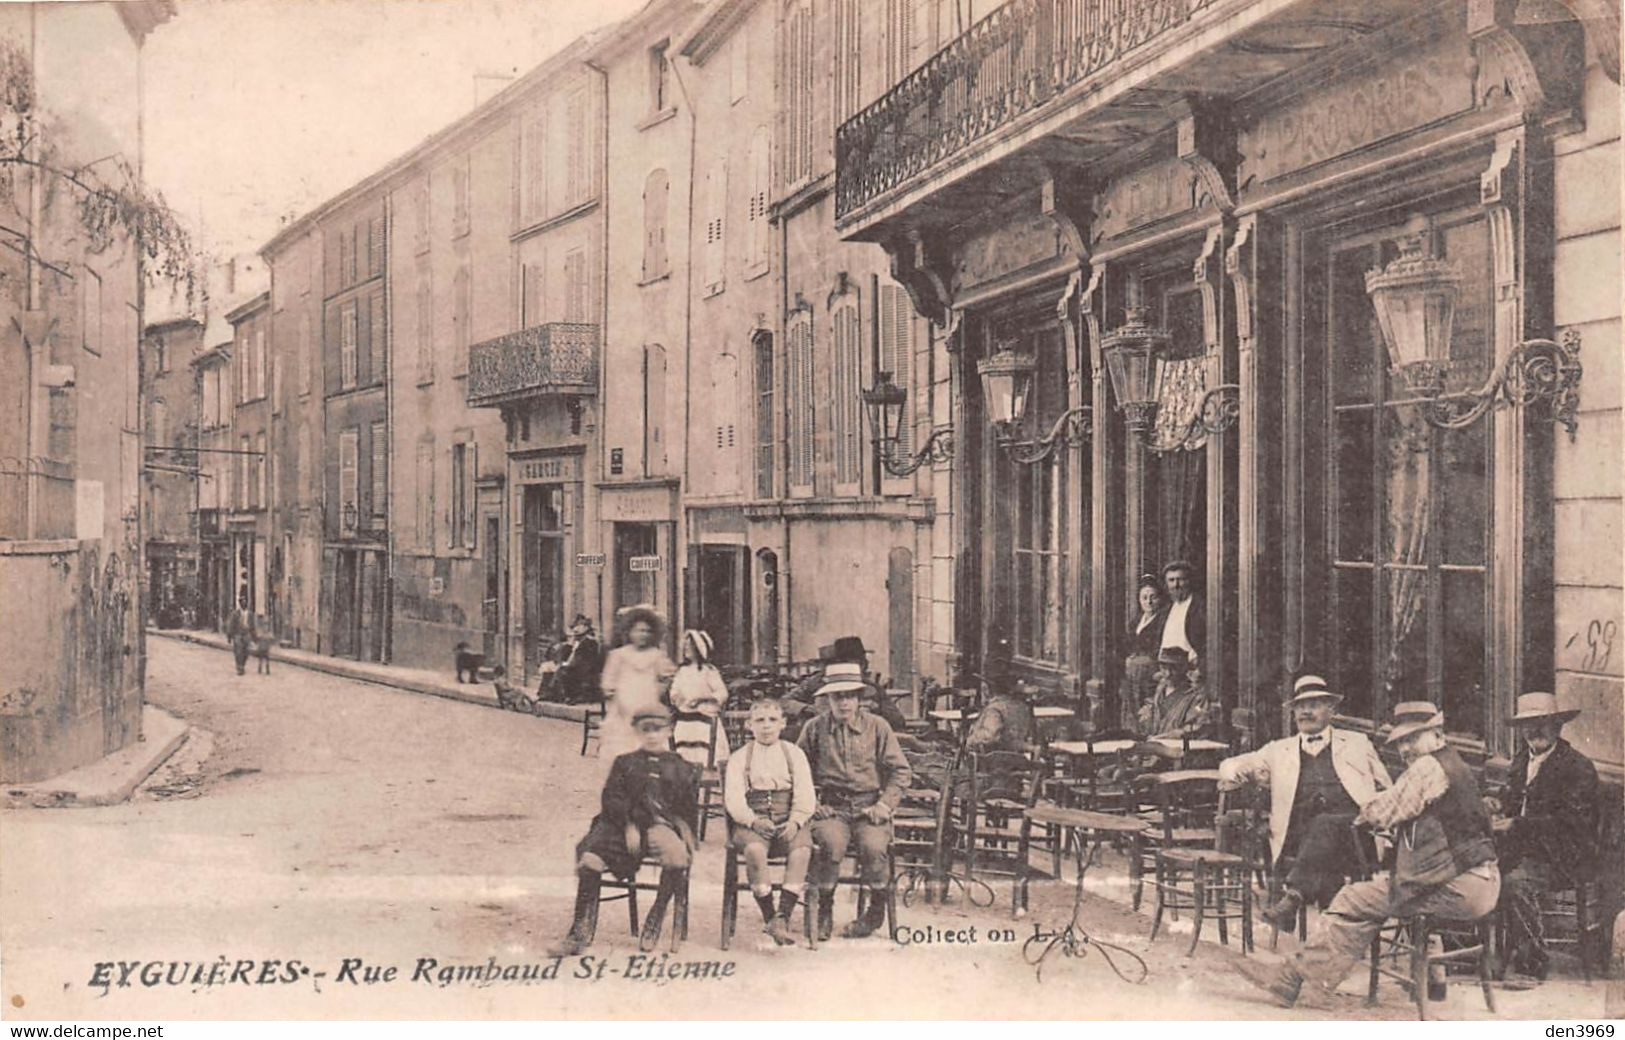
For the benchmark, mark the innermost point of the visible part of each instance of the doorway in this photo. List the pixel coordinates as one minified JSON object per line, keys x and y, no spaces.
{"x":722,"y":587}
{"x":543,"y":562}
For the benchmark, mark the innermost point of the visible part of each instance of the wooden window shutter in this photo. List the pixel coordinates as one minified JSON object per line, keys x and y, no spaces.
{"x":380,"y":338}
{"x":471,"y":471}
{"x":716,"y":191}
{"x":379,"y":477}
{"x":349,"y":447}
{"x":897,"y":357}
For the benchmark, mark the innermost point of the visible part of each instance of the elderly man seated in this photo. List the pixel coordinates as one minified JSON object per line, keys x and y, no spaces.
{"x":1319,"y":779}
{"x":1181,"y":707}
{"x":1551,"y":839}
{"x":1444,"y":867}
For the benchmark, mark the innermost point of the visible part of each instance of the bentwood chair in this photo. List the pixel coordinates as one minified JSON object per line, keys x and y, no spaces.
{"x":1208,"y":879}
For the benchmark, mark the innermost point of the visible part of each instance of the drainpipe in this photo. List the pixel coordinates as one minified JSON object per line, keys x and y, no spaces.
{"x":387,"y":651}
{"x":595,"y":528}
{"x":688,"y":333}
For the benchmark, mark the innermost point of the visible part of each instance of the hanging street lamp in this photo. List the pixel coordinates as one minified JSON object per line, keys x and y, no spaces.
{"x":885,"y":404}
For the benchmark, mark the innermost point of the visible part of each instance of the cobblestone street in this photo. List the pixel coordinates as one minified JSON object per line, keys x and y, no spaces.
{"x":312,"y":818}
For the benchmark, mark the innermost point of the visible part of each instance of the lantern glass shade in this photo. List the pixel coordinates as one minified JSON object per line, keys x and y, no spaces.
{"x":1134,"y":353}
{"x":1415,"y":300}
{"x":884,"y":402}
{"x":1007,"y":379}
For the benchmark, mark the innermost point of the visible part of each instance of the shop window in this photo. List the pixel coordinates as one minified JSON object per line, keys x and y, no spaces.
{"x":1402,"y":587}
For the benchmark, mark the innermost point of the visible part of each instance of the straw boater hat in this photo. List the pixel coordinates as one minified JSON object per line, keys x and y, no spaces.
{"x":1413,"y":717}
{"x":1533,"y":707}
{"x":1313,"y":687}
{"x":841,"y":677}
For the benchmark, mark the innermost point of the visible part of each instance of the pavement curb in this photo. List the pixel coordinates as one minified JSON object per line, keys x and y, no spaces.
{"x":109,"y":780}
{"x":376,"y":674}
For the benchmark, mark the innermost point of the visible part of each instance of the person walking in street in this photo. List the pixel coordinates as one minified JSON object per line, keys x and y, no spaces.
{"x":240,"y":631}
{"x":698,"y":696}
{"x":1444,"y":865}
{"x":635,"y":677}
{"x":1318,"y":778}
{"x":647,"y":810}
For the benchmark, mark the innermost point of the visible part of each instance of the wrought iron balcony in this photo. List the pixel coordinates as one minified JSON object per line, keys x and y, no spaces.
{"x":1024,"y":55}
{"x":556,"y":358}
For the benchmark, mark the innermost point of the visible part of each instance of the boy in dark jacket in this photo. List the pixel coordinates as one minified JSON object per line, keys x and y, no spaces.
{"x":648,"y":808}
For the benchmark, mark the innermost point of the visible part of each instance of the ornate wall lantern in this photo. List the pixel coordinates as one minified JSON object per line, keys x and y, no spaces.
{"x":1415,"y":299}
{"x":1007,"y":382}
{"x":1135,"y":353}
{"x":884,"y":402}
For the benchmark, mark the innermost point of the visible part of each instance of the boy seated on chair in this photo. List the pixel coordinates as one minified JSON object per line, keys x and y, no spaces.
{"x":769,"y":795}
{"x":860,"y":773}
{"x":648,"y":807}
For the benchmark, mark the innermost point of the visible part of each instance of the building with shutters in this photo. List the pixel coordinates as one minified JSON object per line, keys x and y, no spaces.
{"x":1215,"y":248}
{"x":246,"y":517}
{"x":170,"y":470}
{"x":71,"y":403}
{"x":839,"y":543}
{"x":657,"y":253}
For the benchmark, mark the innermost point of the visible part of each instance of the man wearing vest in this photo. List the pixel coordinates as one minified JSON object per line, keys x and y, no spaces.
{"x":1550,"y":842}
{"x":1319,"y":779}
{"x":1444,"y":864}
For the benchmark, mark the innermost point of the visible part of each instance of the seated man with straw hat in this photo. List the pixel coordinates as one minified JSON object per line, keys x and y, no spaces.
{"x":1444,"y":861}
{"x":1319,"y":779}
{"x":1551,"y":838}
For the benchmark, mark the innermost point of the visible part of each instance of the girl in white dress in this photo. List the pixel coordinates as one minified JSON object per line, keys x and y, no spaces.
{"x":698,"y":696}
{"x":635,"y":677}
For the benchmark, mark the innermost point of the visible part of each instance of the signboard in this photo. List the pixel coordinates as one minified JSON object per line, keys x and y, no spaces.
{"x":551,"y":468}
{"x":589,"y":559}
{"x":437,"y":586}
{"x":645,"y":563}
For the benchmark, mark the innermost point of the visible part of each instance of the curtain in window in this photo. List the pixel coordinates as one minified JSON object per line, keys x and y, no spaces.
{"x":1407,"y":527}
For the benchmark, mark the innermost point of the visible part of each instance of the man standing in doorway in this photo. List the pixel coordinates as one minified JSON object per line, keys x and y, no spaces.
{"x":1186,"y":625}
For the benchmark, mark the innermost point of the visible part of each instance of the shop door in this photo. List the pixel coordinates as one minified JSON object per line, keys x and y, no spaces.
{"x":543,"y":540}
{"x":723,"y":610}
{"x":636,"y":545}
{"x":346,"y":620}
{"x":491,"y":608}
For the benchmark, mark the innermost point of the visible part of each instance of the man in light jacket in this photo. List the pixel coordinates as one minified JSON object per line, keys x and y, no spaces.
{"x":1319,"y":779}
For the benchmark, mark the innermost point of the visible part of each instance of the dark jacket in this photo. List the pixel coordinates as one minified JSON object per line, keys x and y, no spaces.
{"x":1451,"y":837}
{"x":1149,"y":640}
{"x":1195,"y":624}
{"x":579,"y":671}
{"x":1556,"y":816}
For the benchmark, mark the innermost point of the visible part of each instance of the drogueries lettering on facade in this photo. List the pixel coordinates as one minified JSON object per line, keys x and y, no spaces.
{"x":1354,"y":114}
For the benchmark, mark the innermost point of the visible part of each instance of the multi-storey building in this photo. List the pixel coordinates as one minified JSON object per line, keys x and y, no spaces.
{"x":650,"y":322}
{"x":355,"y":367}
{"x":216,"y":392}
{"x":1215,"y":249}
{"x":246,"y":521}
{"x":170,"y":470}
{"x":844,"y":538}
{"x":71,"y":419}
{"x":297,"y":441}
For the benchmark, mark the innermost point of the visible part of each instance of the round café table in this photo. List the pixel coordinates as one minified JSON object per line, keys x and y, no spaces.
{"x":1089,"y":830}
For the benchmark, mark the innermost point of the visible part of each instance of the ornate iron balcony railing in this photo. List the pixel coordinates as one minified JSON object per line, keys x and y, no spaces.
{"x":1013,"y":61}
{"x":556,"y":358}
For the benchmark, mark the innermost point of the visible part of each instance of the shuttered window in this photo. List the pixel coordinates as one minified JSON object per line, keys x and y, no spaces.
{"x":845,"y":405}
{"x":349,"y":489}
{"x":459,"y":194}
{"x":798,"y":85}
{"x":758,"y":239}
{"x":349,"y":333}
{"x":897,"y":357}
{"x":375,"y":247}
{"x":766,"y":445}
{"x":378,"y":340}
{"x":716,"y":251}
{"x":848,"y":60}
{"x":535,"y":170}
{"x":379,"y":503}
{"x":656,"y":197}
{"x":425,"y":495}
{"x":425,"y":326}
{"x":462,"y":303}
{"x":575,"y":285}
{"x":460,"y":521}
{"x":800,"y":381}
{"x":576,"y":176}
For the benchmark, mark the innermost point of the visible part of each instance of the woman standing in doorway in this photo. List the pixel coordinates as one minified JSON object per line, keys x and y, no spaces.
{"x":1144,"y":640}
{"x":635,"y":677}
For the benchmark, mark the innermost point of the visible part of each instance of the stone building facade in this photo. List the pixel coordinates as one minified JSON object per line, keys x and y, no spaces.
{"x":169,"y":507}
{"x":71,"y":422}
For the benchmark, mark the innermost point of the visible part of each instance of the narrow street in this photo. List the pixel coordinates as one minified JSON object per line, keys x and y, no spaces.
{"x":314,"y":819}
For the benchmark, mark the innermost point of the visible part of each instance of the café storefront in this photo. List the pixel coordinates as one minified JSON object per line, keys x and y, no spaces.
{"x":1278,"y":299}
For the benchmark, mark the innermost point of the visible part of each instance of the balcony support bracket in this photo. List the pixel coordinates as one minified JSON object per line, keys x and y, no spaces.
{"x":922,"y":272}
{"x":1067,"y":200}
{"x":1207,"y":143}
{"x":1530,"y":64}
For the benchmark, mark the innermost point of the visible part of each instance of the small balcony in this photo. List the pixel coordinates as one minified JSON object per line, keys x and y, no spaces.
{"x":556,"y":358}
